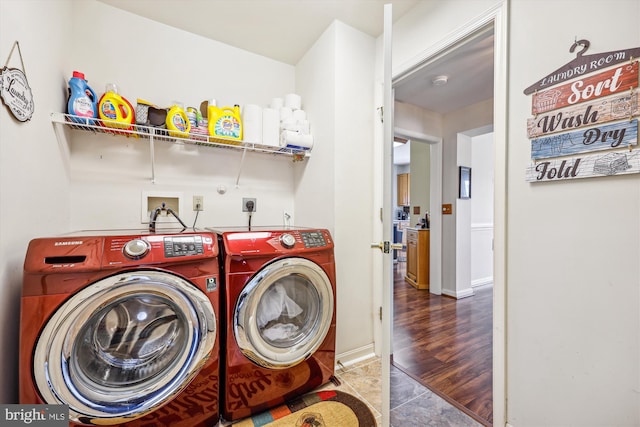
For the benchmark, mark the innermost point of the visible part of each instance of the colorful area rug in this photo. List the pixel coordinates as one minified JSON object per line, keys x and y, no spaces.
{"x":330,"y":408}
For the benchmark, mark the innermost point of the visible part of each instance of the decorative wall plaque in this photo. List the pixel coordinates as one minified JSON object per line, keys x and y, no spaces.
{"x":15,"y":91}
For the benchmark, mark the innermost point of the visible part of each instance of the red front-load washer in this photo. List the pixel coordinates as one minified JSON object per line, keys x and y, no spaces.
{"x":122,"y":327}
{"x":279,"y":306}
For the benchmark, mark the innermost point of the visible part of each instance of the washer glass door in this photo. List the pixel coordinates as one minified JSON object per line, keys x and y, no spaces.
{"x":124,"y":345}
{"x":284,"y":313}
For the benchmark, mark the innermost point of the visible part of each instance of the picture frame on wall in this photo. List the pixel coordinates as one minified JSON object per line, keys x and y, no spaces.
{"x":464,"y":182}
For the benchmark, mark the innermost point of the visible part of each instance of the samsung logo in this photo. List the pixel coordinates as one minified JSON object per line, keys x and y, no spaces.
{"x":69,"y":243}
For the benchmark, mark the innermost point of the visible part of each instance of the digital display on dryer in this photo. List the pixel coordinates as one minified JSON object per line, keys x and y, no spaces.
{"x":313,"y":239}
{"x":175,"y":246}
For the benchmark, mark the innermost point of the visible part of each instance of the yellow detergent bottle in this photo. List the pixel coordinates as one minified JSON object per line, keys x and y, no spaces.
{"x":225,"y":122}
{"x":114,"y":110}
{"x":178,"y":122}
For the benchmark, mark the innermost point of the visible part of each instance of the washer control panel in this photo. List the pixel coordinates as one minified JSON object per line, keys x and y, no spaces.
{"x":313,"y":239}
{"x":155,"y":248}
{"x":183,"y":246}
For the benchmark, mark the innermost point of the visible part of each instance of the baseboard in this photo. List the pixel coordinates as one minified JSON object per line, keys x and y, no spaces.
{"x":482,"y":282}
{"x":459,"y":294}
{"x":354,"y":356}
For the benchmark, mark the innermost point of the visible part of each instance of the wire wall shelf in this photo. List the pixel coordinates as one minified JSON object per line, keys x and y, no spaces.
{"x":153,"y":134}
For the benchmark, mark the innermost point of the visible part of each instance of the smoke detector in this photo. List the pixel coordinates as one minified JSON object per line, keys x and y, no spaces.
{"x":440,"y":80}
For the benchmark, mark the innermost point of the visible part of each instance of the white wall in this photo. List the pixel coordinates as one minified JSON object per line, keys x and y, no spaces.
{"x":572,"y":274}
{"x":456,"y":255}
{"x":482,"y":209}
{"x":161,"y":64}
{"x":573,"y":247}
{"x":34,"y":191}
{"x":420,"y":182}
{"x":336,"y":74}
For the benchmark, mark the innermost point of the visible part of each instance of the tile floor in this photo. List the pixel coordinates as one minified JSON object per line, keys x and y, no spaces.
{"x":411,"y":403}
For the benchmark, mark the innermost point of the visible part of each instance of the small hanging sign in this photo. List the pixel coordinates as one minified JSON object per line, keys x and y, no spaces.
{"x":617,"y":135}
{"x":589,"y":166}
{"x":595,"y":86}
{"x":616,"y":107}
{"x":583,"y":65}
{"x":15,"y":91}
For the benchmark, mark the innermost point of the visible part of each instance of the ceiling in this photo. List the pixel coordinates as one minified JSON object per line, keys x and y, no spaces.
{"x":285,"y":29}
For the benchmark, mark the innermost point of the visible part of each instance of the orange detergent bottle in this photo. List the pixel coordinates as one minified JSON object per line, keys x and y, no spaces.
{"x":114,"y":110}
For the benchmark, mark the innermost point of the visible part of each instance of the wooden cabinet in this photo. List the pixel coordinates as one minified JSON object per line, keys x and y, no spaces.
{"x":418,"y":258}
{"x":403,"y":189}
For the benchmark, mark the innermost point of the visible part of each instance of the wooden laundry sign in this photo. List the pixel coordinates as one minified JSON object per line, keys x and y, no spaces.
{"x":616,"y":107}
{"x":622,"y":78}
{"x":589,"y":166}
{"x":584,"y":114}
{"x":617,"y":135}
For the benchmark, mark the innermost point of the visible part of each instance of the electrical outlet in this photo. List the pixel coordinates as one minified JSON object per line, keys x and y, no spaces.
{"x":245,"y":201}
{"x":198,"y":203}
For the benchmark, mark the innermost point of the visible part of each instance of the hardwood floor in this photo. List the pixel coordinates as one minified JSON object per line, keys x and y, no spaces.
{"x":446,"y":344}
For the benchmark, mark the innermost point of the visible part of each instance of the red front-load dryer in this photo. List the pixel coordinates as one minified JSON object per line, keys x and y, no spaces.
{"x":279,"y":307}
{"x":122,"y":327}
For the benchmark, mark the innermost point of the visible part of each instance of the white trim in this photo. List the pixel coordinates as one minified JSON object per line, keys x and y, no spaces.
{"x":464,"y":293}
{"x":435,"y":179}
{"x":498,"y":15}
{"x":466,"y":32}
{"x":488,"y":226}
{"x":410,"y":134}
{"x":481,"y":282}
{"x":354,"y":356}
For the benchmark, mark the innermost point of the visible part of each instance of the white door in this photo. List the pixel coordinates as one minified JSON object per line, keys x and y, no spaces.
{"x":123,"y":346}
{"x":284,"y":313}
{"x":387,"y":221}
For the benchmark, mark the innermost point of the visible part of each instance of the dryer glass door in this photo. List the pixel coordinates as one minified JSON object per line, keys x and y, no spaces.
{"x":284,"y":313}
{"x":124,"y":346}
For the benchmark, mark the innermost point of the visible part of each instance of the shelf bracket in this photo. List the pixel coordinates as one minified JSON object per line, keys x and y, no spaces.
{"x":244,"y":153}
{"x":152,"y":152}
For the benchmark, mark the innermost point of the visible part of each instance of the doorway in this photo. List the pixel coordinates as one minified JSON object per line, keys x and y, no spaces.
{"x":425,"y":356}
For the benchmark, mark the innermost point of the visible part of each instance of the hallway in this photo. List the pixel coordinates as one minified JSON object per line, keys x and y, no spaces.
{"x":446,"y":344}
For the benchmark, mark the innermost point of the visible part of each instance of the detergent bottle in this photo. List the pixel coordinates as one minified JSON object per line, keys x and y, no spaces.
{"x":225,"y":122}
{"x":81,"y":101}
{"x":115,"y":110}
{"x":178,"y":122}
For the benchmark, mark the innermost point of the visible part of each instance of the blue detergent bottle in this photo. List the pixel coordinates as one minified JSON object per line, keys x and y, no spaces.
{"x":82,"y":101}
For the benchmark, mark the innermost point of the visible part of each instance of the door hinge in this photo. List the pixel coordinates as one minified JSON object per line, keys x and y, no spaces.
{"x":380,"y":314}
{"x":381,"y":111}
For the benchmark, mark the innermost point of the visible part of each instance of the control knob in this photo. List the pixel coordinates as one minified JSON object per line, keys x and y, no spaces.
{"x":287,"y":240}
{"x":136,"y":249}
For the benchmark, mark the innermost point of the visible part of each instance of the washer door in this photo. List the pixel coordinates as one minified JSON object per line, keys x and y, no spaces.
{"x":284,"y":313}
{"x":123,"y":346}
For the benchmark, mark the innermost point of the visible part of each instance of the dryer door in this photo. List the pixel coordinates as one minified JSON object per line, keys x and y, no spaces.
{"x":284,"y":313}
{"x":124,"y":346}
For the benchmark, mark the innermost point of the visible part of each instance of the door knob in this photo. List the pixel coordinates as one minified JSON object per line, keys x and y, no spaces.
{"x":385,"y":246}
